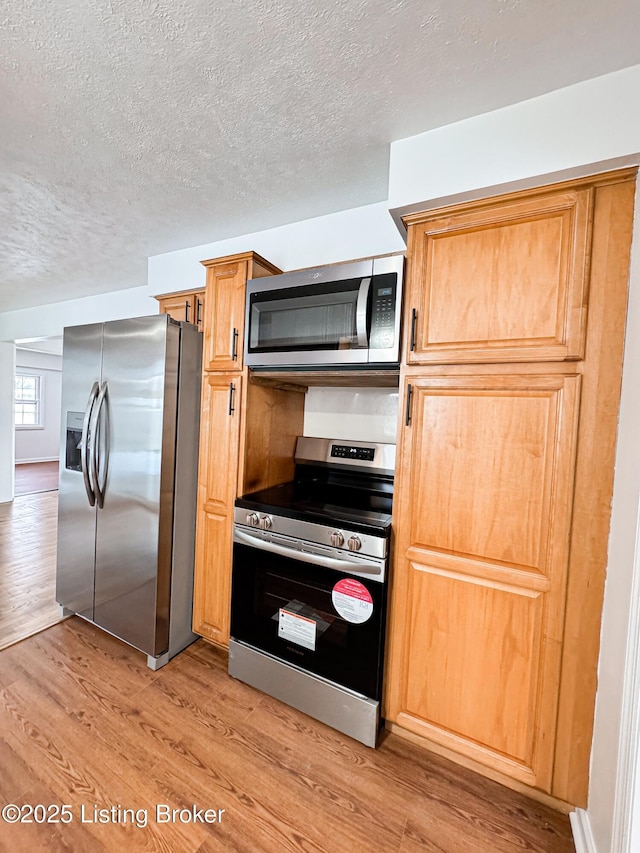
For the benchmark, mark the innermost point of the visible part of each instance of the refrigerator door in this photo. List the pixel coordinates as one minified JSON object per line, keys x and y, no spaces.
{"x":81,"y":360}
{"x":135,"y":430}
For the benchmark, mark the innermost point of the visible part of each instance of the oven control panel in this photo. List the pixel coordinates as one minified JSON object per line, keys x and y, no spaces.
{"x":311,"y":535}
{"x":371,"y":457}
{"x":350,"y":451}
{"x":254,"y":519}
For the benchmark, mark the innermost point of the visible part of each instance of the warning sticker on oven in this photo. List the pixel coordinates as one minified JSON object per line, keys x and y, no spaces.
{"x":297,"y":629}
{"x":352,"y":600}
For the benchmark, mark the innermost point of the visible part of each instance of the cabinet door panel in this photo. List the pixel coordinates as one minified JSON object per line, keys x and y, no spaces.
{"x":482,"y":520}
{"x":462,"y":629}
{"x":505,"y":282}
{"x":488,"y":465}
{"x":186,"y":307}
{"x":217,"y":481}
{"x":179,"y":306}
{"x":224,"y":323}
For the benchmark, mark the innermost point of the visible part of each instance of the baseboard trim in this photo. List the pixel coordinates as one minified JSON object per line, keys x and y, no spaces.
{"x":34,"y":461}
{"x":581,"y":829}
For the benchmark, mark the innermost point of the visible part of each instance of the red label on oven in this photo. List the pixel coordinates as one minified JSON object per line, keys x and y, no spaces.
{"x":352,"y":600}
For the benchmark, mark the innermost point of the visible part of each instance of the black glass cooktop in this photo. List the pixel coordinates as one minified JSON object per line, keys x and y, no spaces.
{"x":333,"y":503}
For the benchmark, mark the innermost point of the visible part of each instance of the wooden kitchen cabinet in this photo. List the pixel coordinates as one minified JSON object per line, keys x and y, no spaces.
{"x":187,"y":307}
{"x":220,"y":419}
{"x":484,"y":515}
{"x":504,"y":280}
{"x":225,"y":307}
{"x":503,"y":486}
{"x":247,"y":442}
{"x":247,"y":437}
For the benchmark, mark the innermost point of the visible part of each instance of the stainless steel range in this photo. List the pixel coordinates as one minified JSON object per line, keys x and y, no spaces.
{"x":309,"y":592}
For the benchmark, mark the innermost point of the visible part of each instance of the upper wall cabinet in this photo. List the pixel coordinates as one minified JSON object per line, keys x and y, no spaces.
{"x":225,"y":307}
{"x":188,"y":307}
{"x":499,"y":281}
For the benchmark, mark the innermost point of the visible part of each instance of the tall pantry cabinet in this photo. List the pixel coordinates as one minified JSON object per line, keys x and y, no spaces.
{"x":514,"y":328}
{"x":240,"y":425}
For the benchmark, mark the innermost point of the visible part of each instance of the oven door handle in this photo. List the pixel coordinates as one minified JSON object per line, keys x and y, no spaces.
{"x":306,"y":557}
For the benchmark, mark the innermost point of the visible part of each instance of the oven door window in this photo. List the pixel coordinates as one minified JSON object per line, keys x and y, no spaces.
{"x":320,"y":620}
{"x":309,"y":317}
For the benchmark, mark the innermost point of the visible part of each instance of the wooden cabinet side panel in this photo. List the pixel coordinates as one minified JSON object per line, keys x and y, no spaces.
{"x":505,"y":283}
{"x":217,"y":481}
{"x":602,"y":368}
{"x":274,"y":420}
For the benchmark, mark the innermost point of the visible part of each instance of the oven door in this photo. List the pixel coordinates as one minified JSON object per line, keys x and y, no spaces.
{"x":326,"y":622}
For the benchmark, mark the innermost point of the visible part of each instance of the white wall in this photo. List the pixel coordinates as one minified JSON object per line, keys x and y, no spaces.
{"x":357,"y":233}
{"x":361,"y":414}
{"x":41,"y":445}
{"x":49,"y":320}
{"x":574,"y":131}
{"x":7,"y":374}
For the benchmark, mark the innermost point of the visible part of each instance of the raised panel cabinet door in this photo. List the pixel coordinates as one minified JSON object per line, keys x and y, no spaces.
{"x":217,"y":483}
{"x":501,"y":281}
{"x":224,"y":313}
{"x":181,"y":306}
{"x":224,"y":308}
{"x":482,"y":523}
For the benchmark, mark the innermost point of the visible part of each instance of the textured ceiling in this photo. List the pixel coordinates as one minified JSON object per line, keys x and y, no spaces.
{"x":136,"y":127}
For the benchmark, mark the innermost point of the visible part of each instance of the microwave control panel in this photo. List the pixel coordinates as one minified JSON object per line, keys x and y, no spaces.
{"x":383,"y":311}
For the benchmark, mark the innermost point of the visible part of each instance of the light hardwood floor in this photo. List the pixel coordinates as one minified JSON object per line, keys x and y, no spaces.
{"x":84,"y":722}
{"x":27,"y":566}
{"x":32,"y":477}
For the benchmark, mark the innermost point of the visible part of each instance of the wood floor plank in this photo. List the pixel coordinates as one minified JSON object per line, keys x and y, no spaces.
{"x":111,"y":781}
{"x":51,"y":837}
{"x":83,"y":720}
{"x":28,"y":530}
{"x":34,"y":477}
{"x":83,"y":651}
{"x":376,"y":816}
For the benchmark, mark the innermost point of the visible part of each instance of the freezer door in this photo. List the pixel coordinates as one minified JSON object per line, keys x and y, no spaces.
{"x":135,"y":431}
{"x":81,"y":359}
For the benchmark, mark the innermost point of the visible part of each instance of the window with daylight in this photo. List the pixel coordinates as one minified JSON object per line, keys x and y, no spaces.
{"x":28,"y":400}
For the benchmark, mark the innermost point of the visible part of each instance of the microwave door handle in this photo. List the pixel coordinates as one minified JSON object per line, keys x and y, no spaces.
{"x":305,"y":556}
{"x":361,"y":312}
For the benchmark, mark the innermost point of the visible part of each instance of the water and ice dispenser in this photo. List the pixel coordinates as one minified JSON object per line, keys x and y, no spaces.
{"x":73,"y":450}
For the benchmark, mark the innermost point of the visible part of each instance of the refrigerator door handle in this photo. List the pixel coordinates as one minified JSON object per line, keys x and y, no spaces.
{"x":98,"y":431}
{"x":86,"y":445}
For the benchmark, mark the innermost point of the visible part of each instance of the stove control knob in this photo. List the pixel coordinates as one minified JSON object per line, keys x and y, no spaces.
{"x":266,"y":522}
{"x":354,"y":543}
{"x":253,"y":519}
{"x":337,"y":539}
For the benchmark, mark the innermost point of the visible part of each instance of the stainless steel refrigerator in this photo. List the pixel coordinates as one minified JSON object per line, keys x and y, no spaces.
{"x":128,"y":477}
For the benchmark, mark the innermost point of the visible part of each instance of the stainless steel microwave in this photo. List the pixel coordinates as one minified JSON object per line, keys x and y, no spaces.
{"x":336,"y":315}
